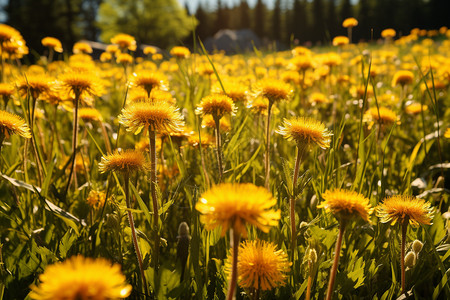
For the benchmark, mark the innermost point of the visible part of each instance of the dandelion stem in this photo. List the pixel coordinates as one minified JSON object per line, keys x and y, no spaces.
{"x":266,"y":159}
{"x":337,"y":252}
{"x":402,"y":254}
{"x":133,"y":232}
{"x":153,"y":179}
{"x":74,"y":139}
{"x":235,"y":238}
{"x":218,"y":145}
{"x":292,"y":201}
{"x":310,"y":277}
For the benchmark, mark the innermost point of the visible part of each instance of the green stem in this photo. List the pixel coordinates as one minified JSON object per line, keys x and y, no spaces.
{"x":235,"y":238}
{"x":337,"y":252}
{"x":292,"y":201}
{"x":310,"y":277}
{"x":74,"y":140}
{"x":267,"y":158}
{"x":402,"y":254}
{"x":152,"y":142}
{"x":219,"y":149}
{"x":133,"y":232}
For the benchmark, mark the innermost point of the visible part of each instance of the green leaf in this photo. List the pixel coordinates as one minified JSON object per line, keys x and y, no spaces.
{"x":66,"y":243}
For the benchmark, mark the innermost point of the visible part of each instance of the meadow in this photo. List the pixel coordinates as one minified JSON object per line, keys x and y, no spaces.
{"x":302,"y":174}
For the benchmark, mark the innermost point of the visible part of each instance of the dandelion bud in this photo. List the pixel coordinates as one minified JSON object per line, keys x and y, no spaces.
{"x":312,"y":256}
{"x":410,"y":259}
{"x":417,"y":246}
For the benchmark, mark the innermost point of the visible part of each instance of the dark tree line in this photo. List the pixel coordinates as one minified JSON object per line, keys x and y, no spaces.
{"x":285,"y":21}
{"x":320,"y":20}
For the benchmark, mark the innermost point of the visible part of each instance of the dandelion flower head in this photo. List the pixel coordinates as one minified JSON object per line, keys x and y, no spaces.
{"x":80,"y":278}
{"x":124,"y":41}
{"x":13,"y":124}
{"x":180,"y":52}
{"x":273,"y":89}
{"x":402,"y":208}
{"x":123,"y":161}
{"x":340,"y":41}
{"x":148,"y":80}
{"x":216,"y":105}
{"x":350,"y":22}
{"x":80,"y":83}
{"x":52,"y":43}
{"x":156,"y":114}
{"x":344,"y":204}
{"x":260,"y":265}
{"x":237,"y":205}
{"x":306,"y":131}
{"x":402,"y":77}
{"x":81,"y":47}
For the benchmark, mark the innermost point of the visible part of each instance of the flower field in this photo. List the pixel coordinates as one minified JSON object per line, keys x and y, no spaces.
{"x":305,"y":174}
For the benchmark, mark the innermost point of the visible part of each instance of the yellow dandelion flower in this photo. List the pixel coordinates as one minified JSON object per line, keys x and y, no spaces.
{"x":260,"y":265}
{"x":105,"y":57}
{"x":148,"y":80}
{"x":292,"y":77}
{"x":447,"y":133}
{"x":80,"y":83}
{"x":301,"y":62}
{"x":6,"y":90}
{"x":82,"y":47}
{"x":234,"y":89}
{"x":340,"y":41}
{"x":402,"y":77}
{"x":156,"y":114}
{"x":382,"y":115}
{"x":180,"y":52}
{"x":89,"y":114}
{"x":305,"y":132}
{"x":150,"y":50}
{"x":124,"y":41}
{"x":80,"y":278}
{"x":259,"y":106}
{"x":96,"y":199}
{"x":216,"y":105}
{"x":273,"y":89}
{"x":123,"y":161}
{"x":8,"y":33}
{"x":349,"y":22}
{"x":299,"y":50}
{"x":13,"y":124}
{"x":113,"y":49}
{"x":157,"y":56}
{"x":194,"y":140}
{"x":415,"y":108}
{"x":388,"y":33}
{"x":403,"y":208}
{"x":358,"y":91}
{"x":318,"y":98}
{"x":124,"y":58}
{"x":237,"y":205}
{"x":224,"y":123}
{"x":37,"y":85}
{"x":52,"y":43}
{"x":346,"y":204}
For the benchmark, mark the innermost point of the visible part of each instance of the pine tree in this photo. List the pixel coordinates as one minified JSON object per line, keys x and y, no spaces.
{"x":276,"y":21}
{"x":204,"y":23}
{"x":260,"y":15}
{"x":346,"y":10}
{"x":331,"y":20}
{"x":244,"y":15}
{"x":319,"y":20}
